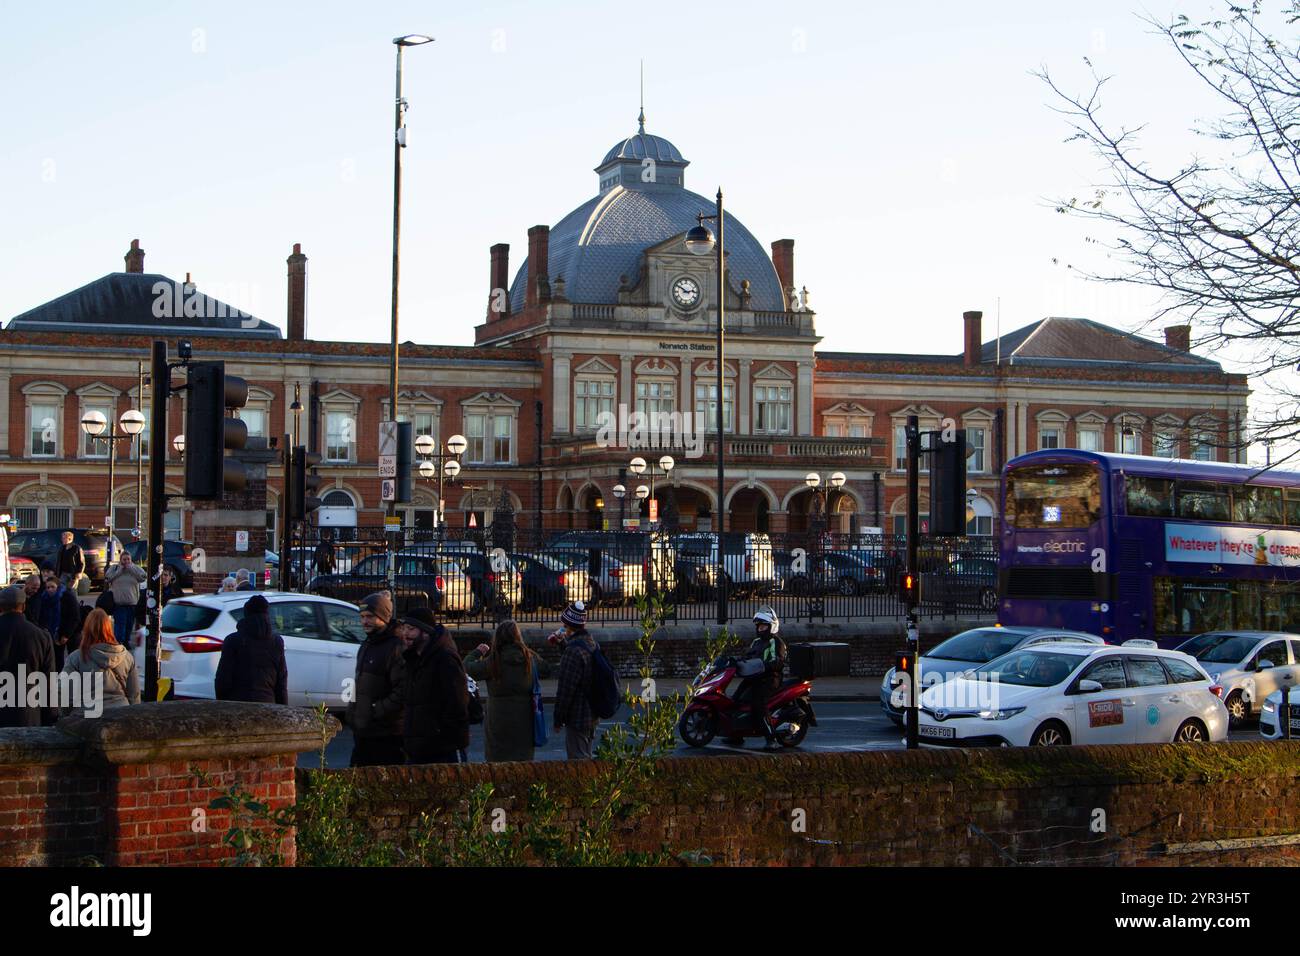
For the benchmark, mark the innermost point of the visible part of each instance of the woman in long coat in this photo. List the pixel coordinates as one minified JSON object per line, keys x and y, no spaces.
{"x":507,"y":667}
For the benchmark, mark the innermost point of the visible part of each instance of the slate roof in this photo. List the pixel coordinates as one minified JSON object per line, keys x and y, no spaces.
{"x":1057,"y":342}
{"x":131,"y":302}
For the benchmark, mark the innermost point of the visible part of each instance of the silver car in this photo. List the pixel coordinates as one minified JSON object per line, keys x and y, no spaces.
{"x":971,"y":649}
{"x":1249,"y":665}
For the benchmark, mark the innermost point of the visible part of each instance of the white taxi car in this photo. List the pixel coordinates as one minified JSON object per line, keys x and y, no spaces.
{"x":321,"y":637}
{"x":1250,"y":665}
{"x":1072,"y":693}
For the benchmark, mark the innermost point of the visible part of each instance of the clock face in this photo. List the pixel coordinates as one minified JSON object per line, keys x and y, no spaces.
{"x":686,"y":292}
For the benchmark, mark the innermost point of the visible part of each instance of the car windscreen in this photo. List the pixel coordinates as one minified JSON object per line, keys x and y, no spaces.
{"x":1031,"y":668}
{"x":1219,"y":648}
{"x":180,"y":616}
{"x":547,"y":561}
{"x":978,"y":646}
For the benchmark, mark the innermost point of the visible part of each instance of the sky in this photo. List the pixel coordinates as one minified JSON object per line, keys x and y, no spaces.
{"x":908,"y":151}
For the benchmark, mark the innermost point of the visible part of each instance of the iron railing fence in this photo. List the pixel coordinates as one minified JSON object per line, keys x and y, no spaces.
{"x":475,"y":576}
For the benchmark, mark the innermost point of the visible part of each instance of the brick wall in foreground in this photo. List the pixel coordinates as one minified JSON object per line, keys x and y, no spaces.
{"x":1162,"y":805}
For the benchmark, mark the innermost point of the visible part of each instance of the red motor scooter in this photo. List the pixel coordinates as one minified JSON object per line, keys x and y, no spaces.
{"x":712,"y":712}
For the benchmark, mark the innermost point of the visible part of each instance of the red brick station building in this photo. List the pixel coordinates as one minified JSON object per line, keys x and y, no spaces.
{"x":608,"y":309}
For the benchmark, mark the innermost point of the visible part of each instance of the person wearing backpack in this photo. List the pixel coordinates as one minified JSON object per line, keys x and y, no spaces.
{"x":582,"y":697}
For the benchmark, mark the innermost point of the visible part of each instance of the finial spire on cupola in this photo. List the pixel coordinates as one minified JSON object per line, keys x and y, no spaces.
{"x":641,"y":119}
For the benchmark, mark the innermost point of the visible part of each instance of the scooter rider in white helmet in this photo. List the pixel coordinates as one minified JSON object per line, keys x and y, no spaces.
{"x":770,"y":649}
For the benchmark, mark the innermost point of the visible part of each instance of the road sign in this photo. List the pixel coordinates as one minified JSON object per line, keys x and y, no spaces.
{"x":473,"y":521}
{"x":388,"y":490}
{"x":387,"y":439}
{"x":654,"y":509}
{"x":387,"y":466}
{"x":392,"y":522}
{"x":241,"y":540}
{"x":631,"y":522}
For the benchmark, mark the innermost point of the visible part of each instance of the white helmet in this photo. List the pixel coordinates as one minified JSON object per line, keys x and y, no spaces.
{"x":768,"y":616}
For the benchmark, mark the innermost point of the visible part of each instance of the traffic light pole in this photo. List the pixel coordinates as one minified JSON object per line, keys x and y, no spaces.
{"x":161,"y":387}
{"x":913,"y":540}
{"x":286,"y":519}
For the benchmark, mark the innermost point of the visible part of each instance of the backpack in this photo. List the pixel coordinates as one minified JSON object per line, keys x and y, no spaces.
{"x":604,"y":694}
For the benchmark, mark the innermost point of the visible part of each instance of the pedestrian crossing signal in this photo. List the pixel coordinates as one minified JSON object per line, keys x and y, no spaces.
{"x":909,"y":589}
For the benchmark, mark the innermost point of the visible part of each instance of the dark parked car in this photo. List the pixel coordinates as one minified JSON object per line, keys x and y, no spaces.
{"x":830,"y":572}
{"x":967,"y":582}
{"x":42,"y":546}
{"x":419,"y":576}
{"x":653,"y":552}
{"x":492,"y":588}
{"x":549,"y":582}
{"x":176,"y":555}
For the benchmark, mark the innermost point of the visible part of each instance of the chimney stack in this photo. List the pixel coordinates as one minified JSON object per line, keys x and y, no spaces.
{"x":539,"y":252}
{"x":135,"y":257}
{"x":783,"y":260}
{"x":499,"y":283}
{"x":974,"y":344}
{"x":297,"y":294}
{"x":1179,"y":337}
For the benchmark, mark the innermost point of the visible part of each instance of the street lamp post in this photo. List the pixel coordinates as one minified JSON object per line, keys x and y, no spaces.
{"x":448,"y":465}
{"x":814,"y":482}
{"x":700,"y":242}
{"x":93,"y":424}
{"x":638,"y":467}
{"x":399,"y":143}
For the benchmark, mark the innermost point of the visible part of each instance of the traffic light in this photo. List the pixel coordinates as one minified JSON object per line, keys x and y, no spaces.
{"x":302,"y":496}
{"x":903,"y":664}
{"x":909,"y":588}
{"x":405,"y":447}
{"x":948,"y":484}
{"x":209,"y":433}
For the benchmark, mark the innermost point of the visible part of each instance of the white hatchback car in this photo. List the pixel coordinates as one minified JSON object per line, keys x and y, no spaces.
{"x":321,"y":637}
{"x":1075,"y":693}
{"x":1237,"y":659}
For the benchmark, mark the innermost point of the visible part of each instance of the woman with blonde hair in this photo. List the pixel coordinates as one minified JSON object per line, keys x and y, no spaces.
{"x":508,"y":667}
{"x":100,"y":651}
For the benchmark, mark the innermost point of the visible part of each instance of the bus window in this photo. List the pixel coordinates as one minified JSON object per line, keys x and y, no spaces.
{"x":1256,"y":505}
{"x":1053,"y":496}
{"x":1166,"y":611}
{"x":1206,"y":608}
{"x":1245,"y":612}
{"x":1151,"y":497}
{"x":1293,"y":506}
{"x":1205,"y":501}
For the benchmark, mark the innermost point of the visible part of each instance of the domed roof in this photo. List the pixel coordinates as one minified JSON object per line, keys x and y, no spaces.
{"x":643,"y":145}
{"x":604,"y":238}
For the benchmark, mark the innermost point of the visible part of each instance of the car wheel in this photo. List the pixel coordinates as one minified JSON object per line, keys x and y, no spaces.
{"x":988,"y":599}
{"x":1051,"y":734}
{"x":1238,"y":710}
{"x":847,"y":586}
{"x":1191,"y":732}
{"x":697,"y":727}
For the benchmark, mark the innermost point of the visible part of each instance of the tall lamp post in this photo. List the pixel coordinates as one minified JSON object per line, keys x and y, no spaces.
{"x":620,"y":491}
{"x":447,"y":464}
{"x":93,"y":424}
{"x":700,"y":242}
{"x":399,"y":143}
{"x":639,"y":467}
{"x":814,"y":482}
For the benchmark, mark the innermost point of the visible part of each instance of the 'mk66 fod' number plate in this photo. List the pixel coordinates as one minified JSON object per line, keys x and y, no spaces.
{"x":926,"y":730}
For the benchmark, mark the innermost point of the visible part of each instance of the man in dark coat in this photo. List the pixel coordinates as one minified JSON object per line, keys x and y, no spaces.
{"x":252,"y":665}
{"x":70,"y":560}
{"x":375,"y":712}
{"x":32,"y":588}
{"x":573,"y":712}
{"x":25,"y":649}
{"x":324,"y":555}
{"x":436,"y":726}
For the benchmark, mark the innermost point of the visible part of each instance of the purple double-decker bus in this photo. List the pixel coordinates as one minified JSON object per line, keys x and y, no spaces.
{"x":1126,"y":546}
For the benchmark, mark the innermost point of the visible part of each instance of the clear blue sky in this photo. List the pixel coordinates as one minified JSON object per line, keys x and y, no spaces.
{"x":907,"y":150}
